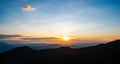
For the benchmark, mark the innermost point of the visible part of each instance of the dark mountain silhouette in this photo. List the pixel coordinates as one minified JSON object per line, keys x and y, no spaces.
{"x":38,"y":46}
{"x":41,"y":46}
{"x":5,"y":47}
{"x":108,"y":53}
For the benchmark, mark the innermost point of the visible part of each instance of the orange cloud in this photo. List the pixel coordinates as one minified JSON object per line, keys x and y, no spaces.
{"x":28,"y":8}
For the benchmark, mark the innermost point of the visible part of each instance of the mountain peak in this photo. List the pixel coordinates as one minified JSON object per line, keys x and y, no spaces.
{"x":112,"y":45}
{"x":21,"y":50}
{"x":117,"y":42}
{"x":24,"y":48}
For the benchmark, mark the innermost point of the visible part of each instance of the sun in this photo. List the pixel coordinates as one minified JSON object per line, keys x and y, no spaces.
{"x":66,"y":38}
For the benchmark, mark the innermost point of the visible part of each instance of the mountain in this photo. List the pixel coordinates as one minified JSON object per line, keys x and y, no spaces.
{"x":108,"y":53}
{"x":38,"y":46}
{"x":5,"y":47}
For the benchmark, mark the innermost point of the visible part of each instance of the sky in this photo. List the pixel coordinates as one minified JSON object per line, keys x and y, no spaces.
{"x":46,"y":21}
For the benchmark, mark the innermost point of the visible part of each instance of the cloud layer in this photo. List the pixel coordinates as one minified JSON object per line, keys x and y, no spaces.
{"x":48,"y":38}
{"x":2,"y":36}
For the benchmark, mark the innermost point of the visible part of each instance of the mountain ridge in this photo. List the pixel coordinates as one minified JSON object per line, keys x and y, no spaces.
{"x":108,"y":53}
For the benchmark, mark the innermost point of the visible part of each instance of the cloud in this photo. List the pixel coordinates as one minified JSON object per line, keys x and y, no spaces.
{"x":3,"y":36}
{"x":48,"y":38}
{"x":28,"y":8}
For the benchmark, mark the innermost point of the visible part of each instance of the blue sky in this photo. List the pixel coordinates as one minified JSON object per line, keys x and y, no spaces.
{"x":56,"y":18}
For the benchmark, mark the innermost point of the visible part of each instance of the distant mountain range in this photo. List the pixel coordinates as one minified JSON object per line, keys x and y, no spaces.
{"x":5,"y":47}
{"x":108,"y":53}
{"x":40,"y":46}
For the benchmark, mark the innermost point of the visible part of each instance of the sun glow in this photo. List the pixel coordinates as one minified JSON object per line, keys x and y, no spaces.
{"x":66,"y":38}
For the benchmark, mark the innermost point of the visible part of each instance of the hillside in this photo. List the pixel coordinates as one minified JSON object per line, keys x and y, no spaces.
{"x":5,"y":47}
{"x":108,"y":53}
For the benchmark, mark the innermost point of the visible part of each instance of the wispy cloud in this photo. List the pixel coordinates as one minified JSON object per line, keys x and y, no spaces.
{"x":28,"y":8}
{"x":47,"y":38}
{"x":3,"y":36}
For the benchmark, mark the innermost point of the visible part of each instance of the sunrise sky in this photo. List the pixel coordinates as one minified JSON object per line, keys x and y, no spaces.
{"x":46,"y":21}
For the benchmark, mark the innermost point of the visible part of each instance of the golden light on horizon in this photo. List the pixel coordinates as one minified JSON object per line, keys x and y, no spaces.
{"x":66,"y":38}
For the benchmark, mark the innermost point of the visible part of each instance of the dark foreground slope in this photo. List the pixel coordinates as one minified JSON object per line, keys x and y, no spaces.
{"x":5,"y":47}
{"x":101,"y":54}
